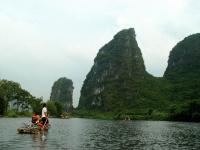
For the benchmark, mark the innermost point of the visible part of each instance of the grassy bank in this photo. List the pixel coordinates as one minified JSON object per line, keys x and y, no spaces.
{"x":188,"y":111}
{"x":126,"y":115}
{"x":13,"y":114}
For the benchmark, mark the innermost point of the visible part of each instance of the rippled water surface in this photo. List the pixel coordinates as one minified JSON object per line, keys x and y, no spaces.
{"x":78,"y":134}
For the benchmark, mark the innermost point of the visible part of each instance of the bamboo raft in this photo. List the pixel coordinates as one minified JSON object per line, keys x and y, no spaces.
{"x":33,"y":130}
{"x":28,"y":131}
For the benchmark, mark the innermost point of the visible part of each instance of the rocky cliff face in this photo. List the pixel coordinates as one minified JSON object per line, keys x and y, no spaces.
{"x":184,"y":57}
{"x":114,"y":80}
{"x":118,"y":81}
{"x":62,"y":91}
{"x":183,"y":69}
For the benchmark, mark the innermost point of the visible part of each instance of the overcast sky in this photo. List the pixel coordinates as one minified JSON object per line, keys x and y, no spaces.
{"x":43,"y":40}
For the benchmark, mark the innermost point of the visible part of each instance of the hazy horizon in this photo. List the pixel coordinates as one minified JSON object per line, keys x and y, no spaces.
{"x":43,"y":40}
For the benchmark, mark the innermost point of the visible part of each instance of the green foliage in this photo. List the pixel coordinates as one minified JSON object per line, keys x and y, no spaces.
{"x":184,"y":69}
{"x":115,"y":77}
{"x":92,"y":114}
{"x":132,"y":114}
{"x":184,"y":58}
{"x":2,"y":105}
{"x":59,"y":108}
{"x":118,"y":79}
{"x":25,"y":114}
{"x":188,"y":111}
{"x":54,"y":108}
{"x":12,"y":114}
{"x":9,"y":91}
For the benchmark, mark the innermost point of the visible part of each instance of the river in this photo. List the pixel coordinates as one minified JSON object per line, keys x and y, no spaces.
{"x":92,"y":134}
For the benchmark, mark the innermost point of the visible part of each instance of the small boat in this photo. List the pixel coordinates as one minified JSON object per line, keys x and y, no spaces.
{"x":33,"y":129}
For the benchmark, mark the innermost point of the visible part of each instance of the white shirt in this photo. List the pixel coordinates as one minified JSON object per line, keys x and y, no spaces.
{"x":44,"y":110}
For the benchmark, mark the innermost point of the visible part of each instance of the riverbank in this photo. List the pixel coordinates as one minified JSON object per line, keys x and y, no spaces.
{"x":13,"y":114}
{"x":188,"y":111}
{"x":151,"y":115}
{"x":154,"y":115}
{"x":121,"y":115}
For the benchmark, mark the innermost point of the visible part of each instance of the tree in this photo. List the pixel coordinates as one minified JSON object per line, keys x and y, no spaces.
{"x":59,"y":108}
{"x":52,"y":110}
{"x":10,"y":91}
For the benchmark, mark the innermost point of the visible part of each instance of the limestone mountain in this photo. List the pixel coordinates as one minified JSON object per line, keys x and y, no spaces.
{"x":62,"y":91}
{"x":184,"y":57}
{"x":118,"y":78}
{"x":183,"y":69}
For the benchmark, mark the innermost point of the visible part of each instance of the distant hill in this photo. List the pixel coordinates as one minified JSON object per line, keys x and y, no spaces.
{"x":118,"y":79}
{"x":183,"y":69}
{"x":183,"y":73}
{"x":62,"y":91}
{"x":118,"y":83}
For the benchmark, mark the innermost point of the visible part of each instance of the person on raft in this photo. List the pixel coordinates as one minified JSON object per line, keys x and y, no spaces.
{"x":35,"y":118}
{"x":44,"y":115}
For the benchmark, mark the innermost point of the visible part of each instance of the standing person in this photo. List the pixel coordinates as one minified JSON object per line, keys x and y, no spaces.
{"x":44,"y":114}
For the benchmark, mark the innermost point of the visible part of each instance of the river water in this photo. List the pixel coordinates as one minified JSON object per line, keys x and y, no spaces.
{"x":80,"y":134}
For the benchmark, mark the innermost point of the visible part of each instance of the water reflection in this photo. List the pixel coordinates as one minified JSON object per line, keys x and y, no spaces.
{"x":76,"y":134}
{"x":40,"y":140}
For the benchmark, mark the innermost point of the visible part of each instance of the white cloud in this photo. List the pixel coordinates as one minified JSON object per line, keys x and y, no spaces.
{"x":42,"y":40}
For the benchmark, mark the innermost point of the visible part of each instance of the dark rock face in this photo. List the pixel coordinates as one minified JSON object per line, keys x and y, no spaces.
{"x":62,"y":92}
{"x":113,"y":80}
{"x":184,"y":57}
{"x":119,"y":84}
{"x":184,"y":69}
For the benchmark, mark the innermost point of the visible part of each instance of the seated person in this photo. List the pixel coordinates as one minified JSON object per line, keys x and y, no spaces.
{"x":35,"y":118}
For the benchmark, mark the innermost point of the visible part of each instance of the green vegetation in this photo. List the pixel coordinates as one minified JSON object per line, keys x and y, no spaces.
{"x":12,"y":114}
{"x":117,"y":76}
{"x":55,"y":109}
{"x":188,"y":111}
{"x":15,"y":101}
{"x":94,"y":114}
{"x":183,"y":73}
{"x":119,"y":87}
{"x":15,"y":114}
{"x":123,"y":115}
{"x":11,"y":92}
{"x":184,"y":59}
